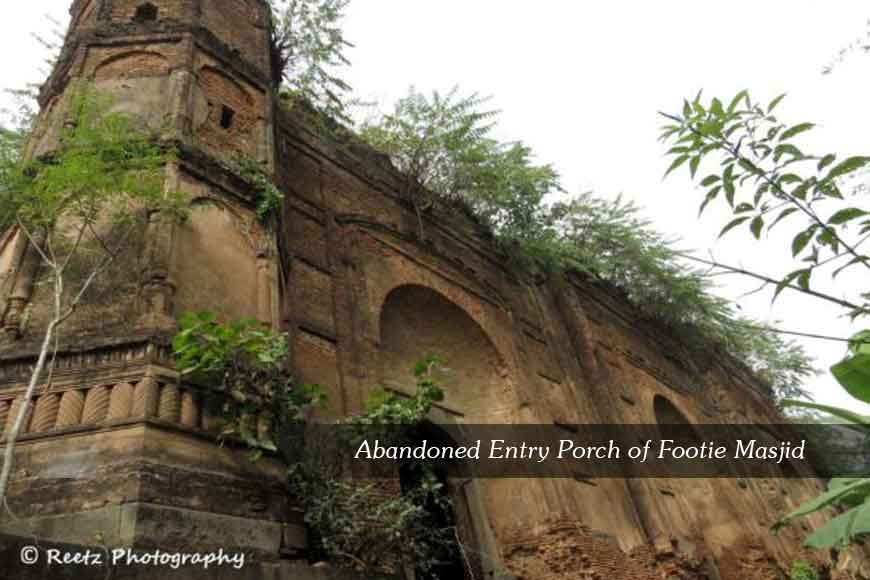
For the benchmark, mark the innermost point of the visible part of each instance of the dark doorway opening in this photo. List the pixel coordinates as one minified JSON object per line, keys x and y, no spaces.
{"x":450,"y":565}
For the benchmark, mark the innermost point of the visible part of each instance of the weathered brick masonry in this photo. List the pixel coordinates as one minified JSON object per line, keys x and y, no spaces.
{"x":120,"y":448}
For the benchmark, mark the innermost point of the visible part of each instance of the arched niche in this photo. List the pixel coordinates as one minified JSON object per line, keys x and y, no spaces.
{"x":131,"y":65}
{"x":706,"y":505}
{"x":416,"y":321}
{"x":215,"y":264}
{"x":672,"y":423}
{"x":138,"y":83}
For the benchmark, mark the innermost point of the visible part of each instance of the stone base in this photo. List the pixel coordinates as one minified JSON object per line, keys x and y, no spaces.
{"x":143,"y":525}
{"x":149,"y":486}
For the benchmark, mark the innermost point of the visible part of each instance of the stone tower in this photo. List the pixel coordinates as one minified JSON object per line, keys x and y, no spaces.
{"x":119,"y":448}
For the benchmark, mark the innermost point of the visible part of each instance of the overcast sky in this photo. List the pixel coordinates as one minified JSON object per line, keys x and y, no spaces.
{"x":581,"y":83}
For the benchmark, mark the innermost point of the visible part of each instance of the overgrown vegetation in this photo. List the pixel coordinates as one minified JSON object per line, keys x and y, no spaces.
{"x":269,"y":199}
{"x":356,"y":523}
{"x":362,"y":525}
{"x":444,"y":144}
{"x":78,"y":208}
{"x":308,"y":47}
{"x":766,"y":179}
{"x":244,"y":364}
{"x":803,"y":570}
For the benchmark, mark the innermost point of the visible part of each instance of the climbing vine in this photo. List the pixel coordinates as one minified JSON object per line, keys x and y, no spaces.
{"x":355,"y":523}
{"x":268,"y":198}
{"x":244,"y":365}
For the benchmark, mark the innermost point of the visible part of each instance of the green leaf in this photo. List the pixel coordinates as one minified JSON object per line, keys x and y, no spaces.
{"x":860,"y":342}
{"x":840,"y":531}
{"x":710,"y":180}
{"x":803,"y":279}
{"x":782,"y":215}
{"x":853,"y":374}
{"x":826,"y":160}
{"x":796,"y":130}
{"x":775,"y":102}
{"x":826,"y":499}
{"x":728,"y":184}
{"x":844,"y":414}
{"x":801,"y":240}
{"x":787,"y":149}
{"x":676,"y":163}
{"x":787,"y":281}
{"x":693,"y":165}
{"x":733,"y":224}
{"x":848,"y":166}
{"x":800,"y":191}
{"x":845,"y":215}
{"x":736,"y":100}
{"x":750,"y":166}
{"x":756,"y":226}
{"x":789,"y":178}
{"x":711,"y":195}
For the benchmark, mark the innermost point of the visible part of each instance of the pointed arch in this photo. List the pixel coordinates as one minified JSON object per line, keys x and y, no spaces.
{"x":416,"y":320}
{"x":133,"y":64}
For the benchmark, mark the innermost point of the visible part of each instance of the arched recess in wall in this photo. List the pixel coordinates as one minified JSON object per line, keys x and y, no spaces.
{"x":673,"y":424}
{"x":137,"y":83}
{"x":209,"y":246}
{"x":415,"y":321}
{"x":131,"y":65}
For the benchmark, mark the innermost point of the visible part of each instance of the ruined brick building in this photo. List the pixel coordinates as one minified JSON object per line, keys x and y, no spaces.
{"x":121,"y":449}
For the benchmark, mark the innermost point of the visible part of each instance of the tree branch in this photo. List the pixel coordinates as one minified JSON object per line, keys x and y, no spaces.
{"x":769,"y":280}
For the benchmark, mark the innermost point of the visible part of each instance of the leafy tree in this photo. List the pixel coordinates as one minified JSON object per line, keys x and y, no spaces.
{"x":439,"y":142}
{"x":77,"y":209}
{"x":766,"y":179}
{"x":444,"y":144}
{"x":308,"y":49}
{"x":784,"y":184}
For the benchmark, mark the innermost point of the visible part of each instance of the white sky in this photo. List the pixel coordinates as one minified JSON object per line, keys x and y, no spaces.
{"x":581,"y":83}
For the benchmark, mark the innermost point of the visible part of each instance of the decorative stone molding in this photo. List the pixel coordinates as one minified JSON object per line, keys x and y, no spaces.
{"x":73,"y":408}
